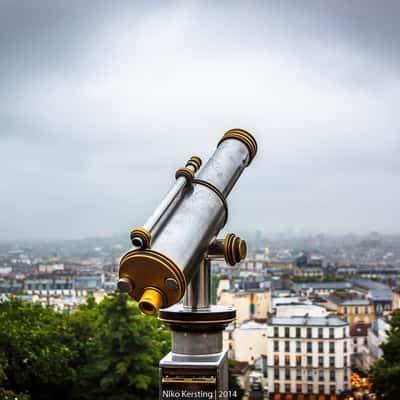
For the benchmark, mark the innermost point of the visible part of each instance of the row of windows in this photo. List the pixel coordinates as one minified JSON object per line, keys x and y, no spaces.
{"x":309,"y":361}
{"x":311,"y":375}
{"x":309,"y":346}
{"x":357,"y":310}
{"x":309,"y":388}
{"x":318,"y":332}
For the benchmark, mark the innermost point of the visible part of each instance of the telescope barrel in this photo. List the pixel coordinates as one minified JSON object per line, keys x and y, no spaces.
{"x":184,"y":225}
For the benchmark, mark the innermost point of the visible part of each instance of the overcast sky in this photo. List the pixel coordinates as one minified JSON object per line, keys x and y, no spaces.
{"x":101,"y":101}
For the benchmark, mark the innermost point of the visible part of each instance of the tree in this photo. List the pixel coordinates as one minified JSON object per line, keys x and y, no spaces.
{"x":385,"y":373}
{"x":233,"y":380}
{"x":102,"y":351}
{"x":124,"y":353}
{"x":38,"y":347}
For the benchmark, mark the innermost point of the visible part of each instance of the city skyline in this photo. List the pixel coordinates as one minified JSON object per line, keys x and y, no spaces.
{"x":101,"y":104}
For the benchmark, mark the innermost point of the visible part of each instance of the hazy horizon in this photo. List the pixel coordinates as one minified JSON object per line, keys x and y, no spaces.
{"x":101,"y":102}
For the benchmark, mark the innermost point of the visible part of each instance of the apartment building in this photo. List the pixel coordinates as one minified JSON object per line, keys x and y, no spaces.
{"x":308,"y":356}
{"x":353,"y":309}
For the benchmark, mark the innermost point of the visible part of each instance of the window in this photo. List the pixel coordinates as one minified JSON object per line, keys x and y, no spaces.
{"x":332,"y":376}
{"x":345,"y":362}
{"x":287,"y":388}
{"x":344,"y":332}
{"x":332,"y":361}
{"x":299,"y":388}
{"x":298,"y":360}
{"x":331,"y":347}
{"x":356,"y":310}
{"x":309,"y":347}
{"x":346,"y":375}
{"x":276,"y":359}
{"x":276,"y":345}
{"x":287,"y":346}
{"x":286,"y":332}
{"x":298,"y":347}
{"x":277,"y":387}
{"x":287,"y":360}
{"x":309,"y":360}
{"x":320,"y":347}
{"x":345,"y":346}
{"x":366,"y":309}
{"x":298,"y":374}
{"x":345,"y":310}
{"x":332,"y":389}
{"x":276,"y":373}
{"x":297,"y":332}
{"x":321,"y":375}
{"x":320,"y":333}
{"x":320,"y":361}
{"x":309,"y":333}
{"x":309,"y":388}
{"x":276,"y":331}
{"x":287,"y":373}
{"x":331,"y":333}
{"x":321,"y":389}
{"x":309,"y":374}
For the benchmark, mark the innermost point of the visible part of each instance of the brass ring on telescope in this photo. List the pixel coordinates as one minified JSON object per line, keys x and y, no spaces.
{"x":186,"y":173}
{"x":143,"y":234}
{"x":245,"y":137}
{"x":235,"y":249}
{"x":195,"y":162}
{"x":218,"y":193}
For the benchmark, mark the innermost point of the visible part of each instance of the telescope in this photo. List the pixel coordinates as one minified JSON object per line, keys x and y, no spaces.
{"x":168,"y":269}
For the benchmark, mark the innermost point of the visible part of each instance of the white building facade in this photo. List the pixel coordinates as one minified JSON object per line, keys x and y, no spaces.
{"x":308,"y":355}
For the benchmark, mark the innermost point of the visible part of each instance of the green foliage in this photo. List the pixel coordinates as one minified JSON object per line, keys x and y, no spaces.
{"x":385,"y":373}
{"x":103,"y":351}
{"x":233,"y":381}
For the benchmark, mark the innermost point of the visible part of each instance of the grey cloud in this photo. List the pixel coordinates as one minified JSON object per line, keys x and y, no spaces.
{"x":98,"y":100}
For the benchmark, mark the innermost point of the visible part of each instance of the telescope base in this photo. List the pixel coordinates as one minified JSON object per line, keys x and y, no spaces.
{"x":194,"y":376}
{"x":197,"y":366}
{"x":213,"y":318}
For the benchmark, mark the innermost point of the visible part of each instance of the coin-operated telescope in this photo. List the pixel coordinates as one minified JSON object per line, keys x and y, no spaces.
{"x":170,"y":261}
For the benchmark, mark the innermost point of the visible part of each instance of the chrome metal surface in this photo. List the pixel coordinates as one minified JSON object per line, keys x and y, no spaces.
{"x":125,"y":285}
{"x":198,"y":214}
{"x":197,"y":294}
{"x":216,"y":364}
{"x":166,"y":202}
{"x":216,"y":250}
{"x":196,"y":343}
{"x":137,"y":241}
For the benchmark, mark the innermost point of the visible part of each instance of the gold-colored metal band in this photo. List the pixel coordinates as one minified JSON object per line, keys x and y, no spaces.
{"x":218,"y":193}
{"x":143,"y":234}
{"x":214,"y":322}
{"x":245,"y":137}
{"x":185,"y":172}
{"x":235,"y":249}
{"x":157,"y":267}
{"x":195,"y":162}
{"x":229,"y":238}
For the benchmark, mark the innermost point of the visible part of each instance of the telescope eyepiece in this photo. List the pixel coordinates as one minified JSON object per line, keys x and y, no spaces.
{"x":137,"y":241}
{"x":151,"y":301}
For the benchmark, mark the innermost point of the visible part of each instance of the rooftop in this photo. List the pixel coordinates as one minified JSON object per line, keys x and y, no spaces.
{"x":323,"y":285}
{"x":310,"y":321}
